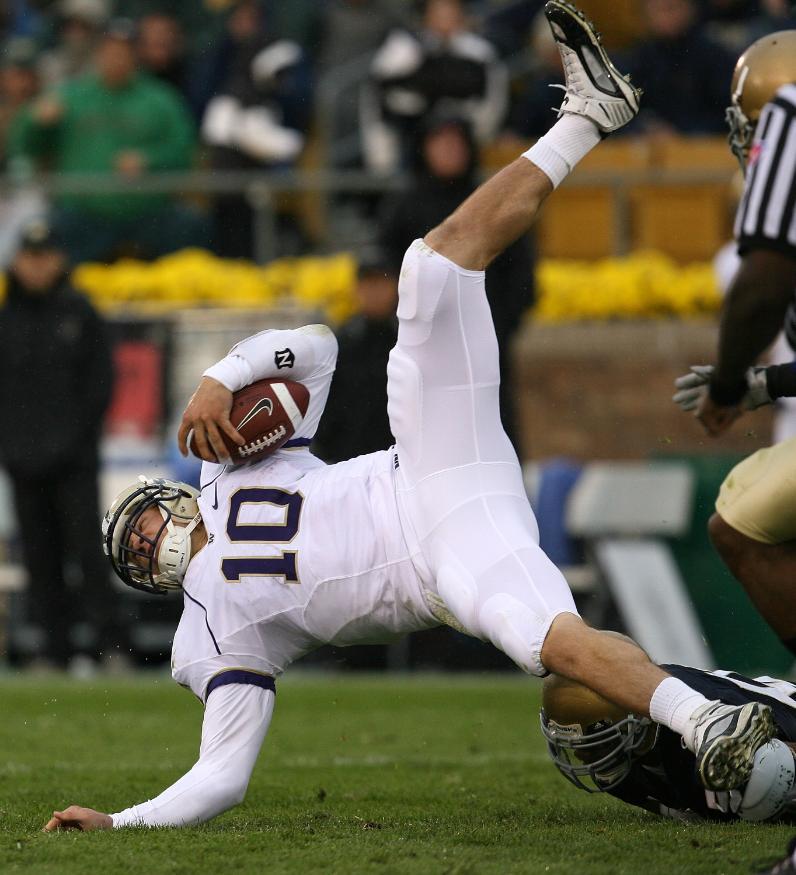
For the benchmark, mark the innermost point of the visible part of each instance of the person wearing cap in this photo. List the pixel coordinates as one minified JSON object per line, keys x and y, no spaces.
{"x":55,"y":383}
{"x":118,"y":121}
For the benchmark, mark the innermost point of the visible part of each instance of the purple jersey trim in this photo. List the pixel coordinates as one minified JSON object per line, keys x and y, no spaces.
{"x":241,"y":676}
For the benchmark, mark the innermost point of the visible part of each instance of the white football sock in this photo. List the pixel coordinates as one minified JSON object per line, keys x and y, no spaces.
{"x":672,"y":704}
{"x":560,"y":149}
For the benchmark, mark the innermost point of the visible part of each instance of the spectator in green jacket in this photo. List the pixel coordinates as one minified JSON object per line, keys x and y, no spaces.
{"x":120,"y":121}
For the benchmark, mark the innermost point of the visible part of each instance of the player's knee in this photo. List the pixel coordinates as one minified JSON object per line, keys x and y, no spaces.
{"x":444,"y":236}
{"x":565,"y":649}
{"x":457,"y":242}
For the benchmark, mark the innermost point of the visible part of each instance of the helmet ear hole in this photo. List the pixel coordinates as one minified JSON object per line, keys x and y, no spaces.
{"x":174,"y":551}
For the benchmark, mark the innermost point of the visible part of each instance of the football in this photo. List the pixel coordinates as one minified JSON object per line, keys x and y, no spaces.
{"x":267,"y":414}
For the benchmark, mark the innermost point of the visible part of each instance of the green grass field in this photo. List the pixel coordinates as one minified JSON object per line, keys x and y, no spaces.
{"x":380,"y":774}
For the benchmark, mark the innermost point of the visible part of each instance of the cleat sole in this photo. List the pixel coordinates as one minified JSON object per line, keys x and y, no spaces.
{"x":727,"y":764}
{"x":596,"y":89}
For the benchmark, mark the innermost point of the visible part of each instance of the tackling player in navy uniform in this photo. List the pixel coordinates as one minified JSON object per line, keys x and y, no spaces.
{"x":281,"y":556}
{"x":601,"y":748}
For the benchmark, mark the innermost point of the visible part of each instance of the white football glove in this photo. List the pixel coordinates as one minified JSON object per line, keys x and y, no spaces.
{"x":693,"y":385}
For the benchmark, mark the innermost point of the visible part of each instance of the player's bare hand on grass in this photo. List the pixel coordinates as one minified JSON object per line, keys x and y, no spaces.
{"x":207,"y":415}
{"x":77,"y":817}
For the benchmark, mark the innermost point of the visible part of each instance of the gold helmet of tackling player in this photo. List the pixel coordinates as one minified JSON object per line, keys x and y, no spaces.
{"x":151,"y":558}
{"x":767,"y":65}
{"x":592,"y":742}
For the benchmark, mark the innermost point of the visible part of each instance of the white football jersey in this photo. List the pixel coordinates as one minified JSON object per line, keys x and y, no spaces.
{"x":299,"y":553}
{"x":263,"y":591}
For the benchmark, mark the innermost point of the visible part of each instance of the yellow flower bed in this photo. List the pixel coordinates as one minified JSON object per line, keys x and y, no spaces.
{"x":643,"y":285}
{"x":640,"y":286}
{"x":196,"y":278}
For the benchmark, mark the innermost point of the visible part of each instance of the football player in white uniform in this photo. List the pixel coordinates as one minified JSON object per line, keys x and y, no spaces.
{"x":279,"y":557}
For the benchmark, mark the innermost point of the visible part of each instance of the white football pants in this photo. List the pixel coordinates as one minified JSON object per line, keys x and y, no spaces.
{"x":460,"y":489}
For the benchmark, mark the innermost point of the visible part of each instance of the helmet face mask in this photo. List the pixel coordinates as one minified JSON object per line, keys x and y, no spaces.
{"x":592,"y":742}
{"x":767,"y":65}
{"x":741,"y":134}
{"x":598,"y":757}
{"x":154,"y":563}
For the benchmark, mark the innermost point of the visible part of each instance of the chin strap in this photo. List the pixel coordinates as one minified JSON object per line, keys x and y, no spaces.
{"x":175,"y":550}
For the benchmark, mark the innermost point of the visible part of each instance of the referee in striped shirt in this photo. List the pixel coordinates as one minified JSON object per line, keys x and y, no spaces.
{"x":762,"y":295}
{"x":754,"y":527}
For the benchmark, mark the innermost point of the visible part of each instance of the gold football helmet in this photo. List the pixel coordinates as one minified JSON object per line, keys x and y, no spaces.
{"x":592,"y":742}
{"x":767,"y":65}
{"x":152,"y":564}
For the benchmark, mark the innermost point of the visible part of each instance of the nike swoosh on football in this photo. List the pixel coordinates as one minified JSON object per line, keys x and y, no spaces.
{"x":262,"y":404}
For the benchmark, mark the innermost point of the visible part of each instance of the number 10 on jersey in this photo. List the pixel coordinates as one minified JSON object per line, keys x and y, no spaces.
{"x":283,"y":565}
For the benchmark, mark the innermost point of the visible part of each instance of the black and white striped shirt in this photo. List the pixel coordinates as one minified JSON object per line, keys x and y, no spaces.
{"x":767,"y":213}
{"x":766,"y":216}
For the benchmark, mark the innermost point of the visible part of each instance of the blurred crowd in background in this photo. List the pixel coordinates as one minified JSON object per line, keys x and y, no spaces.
{"x":134,"y":87}
{"x":141,"y":127}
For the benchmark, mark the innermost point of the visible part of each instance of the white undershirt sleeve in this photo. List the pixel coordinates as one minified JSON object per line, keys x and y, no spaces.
{"x":237,"y":717}
{"x":306,"y":355}
{"x":301,"y":354}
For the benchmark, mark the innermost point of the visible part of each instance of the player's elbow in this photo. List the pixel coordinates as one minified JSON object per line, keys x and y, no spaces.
{"x":236,"y":792}
{"x":324,"y":341}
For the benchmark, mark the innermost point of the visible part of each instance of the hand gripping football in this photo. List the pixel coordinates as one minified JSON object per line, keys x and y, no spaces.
{"x":267,"y":414}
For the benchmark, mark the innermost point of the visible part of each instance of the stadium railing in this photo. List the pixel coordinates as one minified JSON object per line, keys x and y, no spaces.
{"x":677,"y":199}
